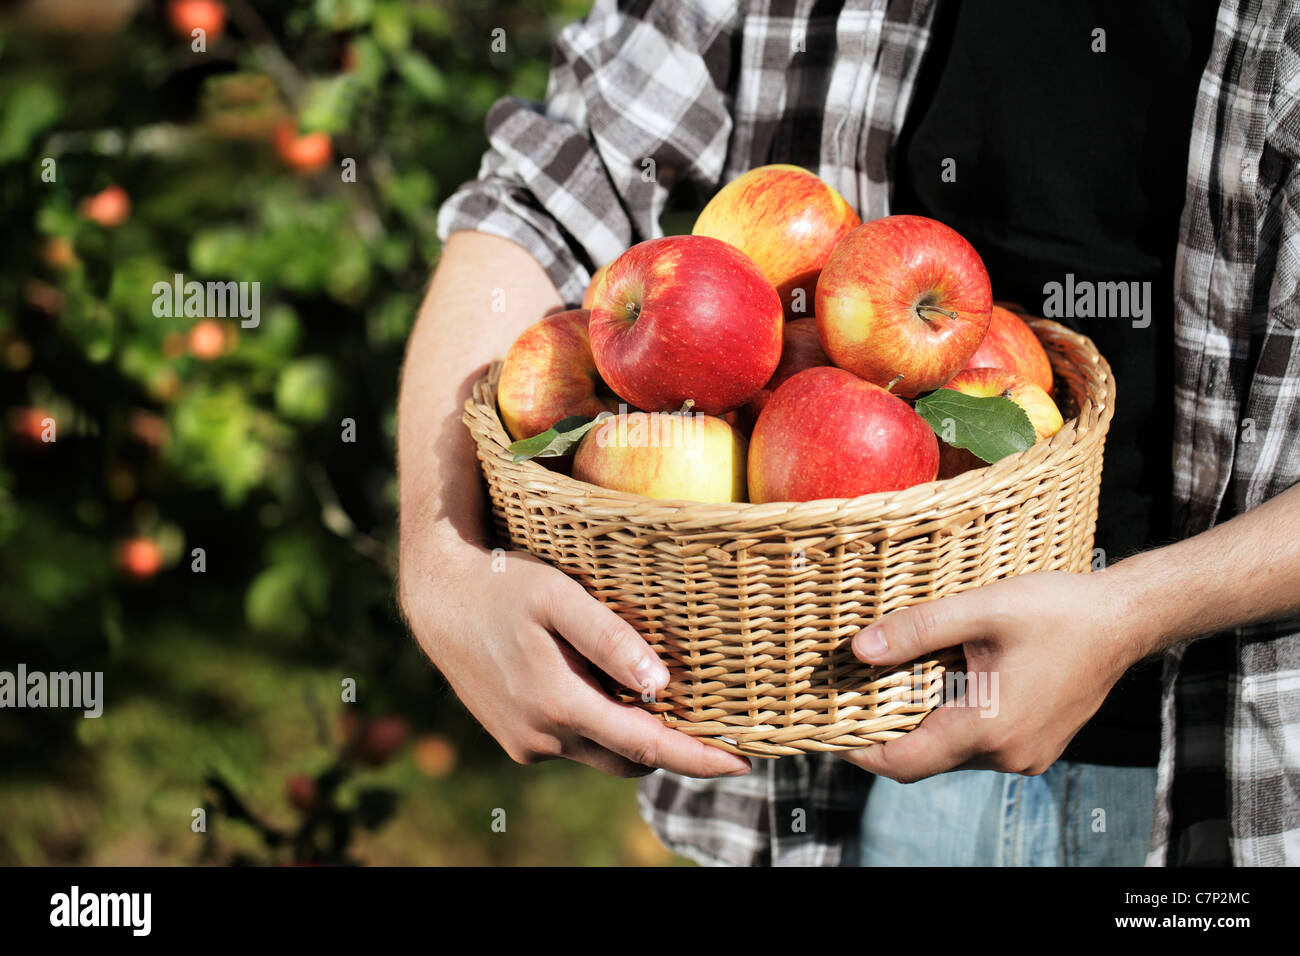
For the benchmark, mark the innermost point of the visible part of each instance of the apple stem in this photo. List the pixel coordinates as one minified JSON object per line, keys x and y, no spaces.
{"x":686,"y":407}
{"x":892,"y":382}
{"x":922,"y":309}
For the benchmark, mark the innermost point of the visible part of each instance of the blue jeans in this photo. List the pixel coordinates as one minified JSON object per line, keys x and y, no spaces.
{"x":1075,"y":814}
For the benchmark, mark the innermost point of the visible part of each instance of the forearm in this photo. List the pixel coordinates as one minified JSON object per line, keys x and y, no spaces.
{"x":456,"y":335}
{"x":1240,"y":572}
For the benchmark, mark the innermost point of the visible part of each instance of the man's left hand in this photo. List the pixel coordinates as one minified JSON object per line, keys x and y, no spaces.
{"x":1043,"y":650}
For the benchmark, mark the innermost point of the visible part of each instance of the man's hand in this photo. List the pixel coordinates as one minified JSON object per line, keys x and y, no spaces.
{"x":1043,"y":650}
{"x":514,"y":643}
{"x":1056,"y":642}
{"x":513,"y":640}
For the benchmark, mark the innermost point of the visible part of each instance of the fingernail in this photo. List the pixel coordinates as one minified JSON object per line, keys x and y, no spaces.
{"x":871,"y":643}
{"x":741,"y":771}
{"x":651,"y":674}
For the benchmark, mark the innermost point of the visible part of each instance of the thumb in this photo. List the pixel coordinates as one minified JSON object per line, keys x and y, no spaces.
{"x":602,"y":637}
{"x":946,"y":740}
{"x":912,"y":632}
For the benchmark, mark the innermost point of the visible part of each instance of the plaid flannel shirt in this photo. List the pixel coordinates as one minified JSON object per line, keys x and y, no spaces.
{"x":644,"y":96}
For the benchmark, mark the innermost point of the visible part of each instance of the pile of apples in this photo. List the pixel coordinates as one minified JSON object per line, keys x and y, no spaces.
{"x":784,"y":348}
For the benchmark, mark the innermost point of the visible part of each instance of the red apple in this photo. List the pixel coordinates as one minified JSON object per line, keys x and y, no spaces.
{"x":302,"y":792}
{"x":826,"y":433}
{"x":34,"y":425}
{"x":303,"y":152}
{"x":1011,"y":344}
{"x":140,"y":557}
{"x":903,"y":298}
{"x":549,"y":374}
{"x":210,"y":338}
{"x":381,"y":738}
{"x":741,"y":420}
{"x":686,"y":317}
{"x":109,"y":207}
{"x":186,"y":16}
{"x":351,"y":726}
{"x":661,"y":455}
{"x":787,"y":220}
{"x":589,"y":297}
{"x":986,"y":383}
{"x":147,"y":428}
{"x":800,"y":349}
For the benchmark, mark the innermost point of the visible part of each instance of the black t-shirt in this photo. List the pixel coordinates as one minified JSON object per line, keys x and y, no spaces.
{"x":1061,"y":151}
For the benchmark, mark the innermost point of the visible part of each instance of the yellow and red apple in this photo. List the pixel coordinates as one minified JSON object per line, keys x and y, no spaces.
{"x":1038,"y":406}
{"x":549,"y":374}
{"x":685,"y":317}
{"x":826,"y":433}
{"x":1011,"y":344}
{"x":787,"y":220}
{"x":677,"y":456}
{"x":903,"y":300}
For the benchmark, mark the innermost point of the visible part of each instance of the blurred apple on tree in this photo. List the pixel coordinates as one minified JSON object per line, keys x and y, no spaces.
{"x":110,"y":207}
{"x":140,"y":557}
{"x":170,"y":154}
{"x":303,"y":152}
{"x":186,"y":16}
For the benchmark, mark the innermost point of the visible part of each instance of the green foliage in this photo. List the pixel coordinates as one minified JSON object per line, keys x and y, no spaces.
{"x":562,"y":438}
{"x":222,"y":439}
{"x":28,"y":109}
{"x":196,"y":431}
{"x":990,"y":427}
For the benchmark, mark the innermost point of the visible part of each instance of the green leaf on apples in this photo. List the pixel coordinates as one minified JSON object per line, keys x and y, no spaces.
{"x":560,"y":439}
{"x":989,"y":427}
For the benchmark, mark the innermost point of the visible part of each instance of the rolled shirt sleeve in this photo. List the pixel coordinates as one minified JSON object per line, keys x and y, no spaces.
{"x":637,"y":102}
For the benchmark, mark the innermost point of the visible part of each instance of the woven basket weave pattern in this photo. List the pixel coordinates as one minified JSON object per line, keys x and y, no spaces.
{"x":751,"y":606}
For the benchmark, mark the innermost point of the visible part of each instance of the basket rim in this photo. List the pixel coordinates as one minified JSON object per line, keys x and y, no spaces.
{"x":1079,"y":436}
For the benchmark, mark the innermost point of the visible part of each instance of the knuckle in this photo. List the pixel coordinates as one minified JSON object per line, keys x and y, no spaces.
{"x":1000,"y":742}
{"x":534,"y":748}
{"x":609,"y":641}
{"x":1001,"y":618}
{"x":634,"y":770}
{"x":645,"y":752}
{"x":1000,"y":763}
{"x":545,"y":746}
{"x":905,"y":630}
{"x":546,"y":599}
{"x":1014,"y":760}
{"x":520,"y":755}
{"x":922,"y":622}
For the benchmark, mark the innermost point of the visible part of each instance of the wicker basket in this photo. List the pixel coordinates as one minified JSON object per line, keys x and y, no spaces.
{"x":751,"y":606}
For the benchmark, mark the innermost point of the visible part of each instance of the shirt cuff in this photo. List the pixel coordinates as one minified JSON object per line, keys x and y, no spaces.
{"x":503,"y":209}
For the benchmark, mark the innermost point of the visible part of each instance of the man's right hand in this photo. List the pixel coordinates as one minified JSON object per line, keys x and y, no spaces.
{"x":515,"y":642}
